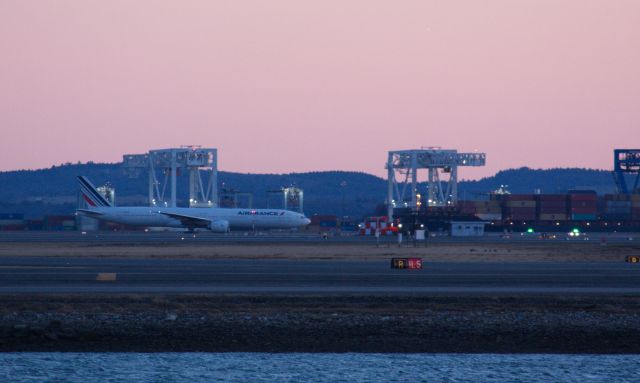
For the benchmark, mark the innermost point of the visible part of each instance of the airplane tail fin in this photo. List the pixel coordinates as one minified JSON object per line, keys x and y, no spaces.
{"x":90,"y":194}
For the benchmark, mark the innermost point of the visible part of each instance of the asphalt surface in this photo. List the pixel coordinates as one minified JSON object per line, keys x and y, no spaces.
{"x":79,"y":275}
{"x":152,"y":237}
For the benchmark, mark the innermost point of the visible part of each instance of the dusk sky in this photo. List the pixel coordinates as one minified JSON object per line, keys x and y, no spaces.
{"x":292,"y":86}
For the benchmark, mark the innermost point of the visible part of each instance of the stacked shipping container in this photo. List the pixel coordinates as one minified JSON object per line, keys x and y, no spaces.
{"x":486,"y":210}
{"x":489,"y":210}
{"x":60,"y":222}
{"x":617,"y":207}
{"x":519,"y":207}
{"x":582,"y":205}
{"x":12,"y":221}
{"x":635,"y":207}
{"x":35,"y":224}
{"x":551,"y":207}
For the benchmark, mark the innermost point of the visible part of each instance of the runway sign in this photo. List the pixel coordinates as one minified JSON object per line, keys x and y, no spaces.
{"x":406,"y":263}
{"x":106,"y":277}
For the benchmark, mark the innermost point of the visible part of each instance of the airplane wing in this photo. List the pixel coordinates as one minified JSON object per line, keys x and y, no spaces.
{"x":89,"y":212}
{"x":188,"y":220}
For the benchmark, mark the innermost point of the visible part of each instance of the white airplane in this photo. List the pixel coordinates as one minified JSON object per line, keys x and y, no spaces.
{"x":218,"y":220}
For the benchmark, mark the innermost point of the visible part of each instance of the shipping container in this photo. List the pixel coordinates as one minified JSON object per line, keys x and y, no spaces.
{"x":619,"y":203}
{"x":617,"y":197}
{"x":61,"y":228}
{"x":552,"y":198}
{"x":616,"y":216}
{"x":582,"y":196}
{"x":584,"y":210}
{"x":552,"y":217}
{"x":520,"y":203}
{"x":552,"y":203}
{"x":35,"y":224}
{"x":520,"y":209}
{"x":582,"y":204}
{"x":60,"y":222}
{"x":552,"y":211}
{"x":520,"y":197}
{"x":551,"y":207}
{"x":617,"y":207}
{"x":582,"y":217}
{"x":486,"y":203}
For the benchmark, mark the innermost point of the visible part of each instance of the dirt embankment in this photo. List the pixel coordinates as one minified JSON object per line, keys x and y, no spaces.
{"x":438,"y":252}
{"x":320,"y":324}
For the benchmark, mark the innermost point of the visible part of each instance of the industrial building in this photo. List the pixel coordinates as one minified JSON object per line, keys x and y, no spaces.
{"x":503,"y":211}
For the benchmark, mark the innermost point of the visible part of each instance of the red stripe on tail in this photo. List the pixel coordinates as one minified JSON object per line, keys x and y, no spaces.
{"x":89,"y":201}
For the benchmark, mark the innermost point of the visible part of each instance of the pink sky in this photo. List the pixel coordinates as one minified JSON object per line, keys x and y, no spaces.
{"x":291,"y":86}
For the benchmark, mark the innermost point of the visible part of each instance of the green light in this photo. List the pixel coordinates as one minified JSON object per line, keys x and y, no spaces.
{"x":529,"y":230}
{"x":576,"y":230}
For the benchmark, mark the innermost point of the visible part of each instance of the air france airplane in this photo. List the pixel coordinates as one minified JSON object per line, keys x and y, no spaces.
{"x":218,"y":220}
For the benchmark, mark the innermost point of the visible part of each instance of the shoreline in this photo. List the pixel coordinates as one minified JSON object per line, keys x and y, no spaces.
{"x":385,"y":324}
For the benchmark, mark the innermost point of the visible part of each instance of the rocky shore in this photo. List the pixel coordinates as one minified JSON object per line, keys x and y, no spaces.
{"x":320,"y":324}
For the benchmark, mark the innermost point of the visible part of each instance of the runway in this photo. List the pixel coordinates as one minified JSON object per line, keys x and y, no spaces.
{"x":179,"y":237}
{"x":79,"y":276}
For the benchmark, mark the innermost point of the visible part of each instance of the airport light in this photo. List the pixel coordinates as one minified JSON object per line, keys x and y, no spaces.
{"x":530,"y":230}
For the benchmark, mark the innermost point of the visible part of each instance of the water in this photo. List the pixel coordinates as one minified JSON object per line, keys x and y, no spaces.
{"x":262,"y":367}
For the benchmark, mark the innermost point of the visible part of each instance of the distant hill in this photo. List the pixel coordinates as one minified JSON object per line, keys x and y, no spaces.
{"x":54,"y":190}
{"x":549,"y":181}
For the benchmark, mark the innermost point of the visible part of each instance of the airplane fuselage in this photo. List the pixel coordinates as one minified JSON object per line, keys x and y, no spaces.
{"x":237,"y":219}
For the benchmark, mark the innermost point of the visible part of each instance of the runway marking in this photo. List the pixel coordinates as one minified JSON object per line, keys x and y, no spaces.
{"x":106,"y":277}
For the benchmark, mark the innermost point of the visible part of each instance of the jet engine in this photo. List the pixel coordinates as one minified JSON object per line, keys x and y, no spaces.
{"x":219,"y":226}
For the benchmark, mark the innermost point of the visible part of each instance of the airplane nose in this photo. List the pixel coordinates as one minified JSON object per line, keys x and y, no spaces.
{"x":306,"y":221}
